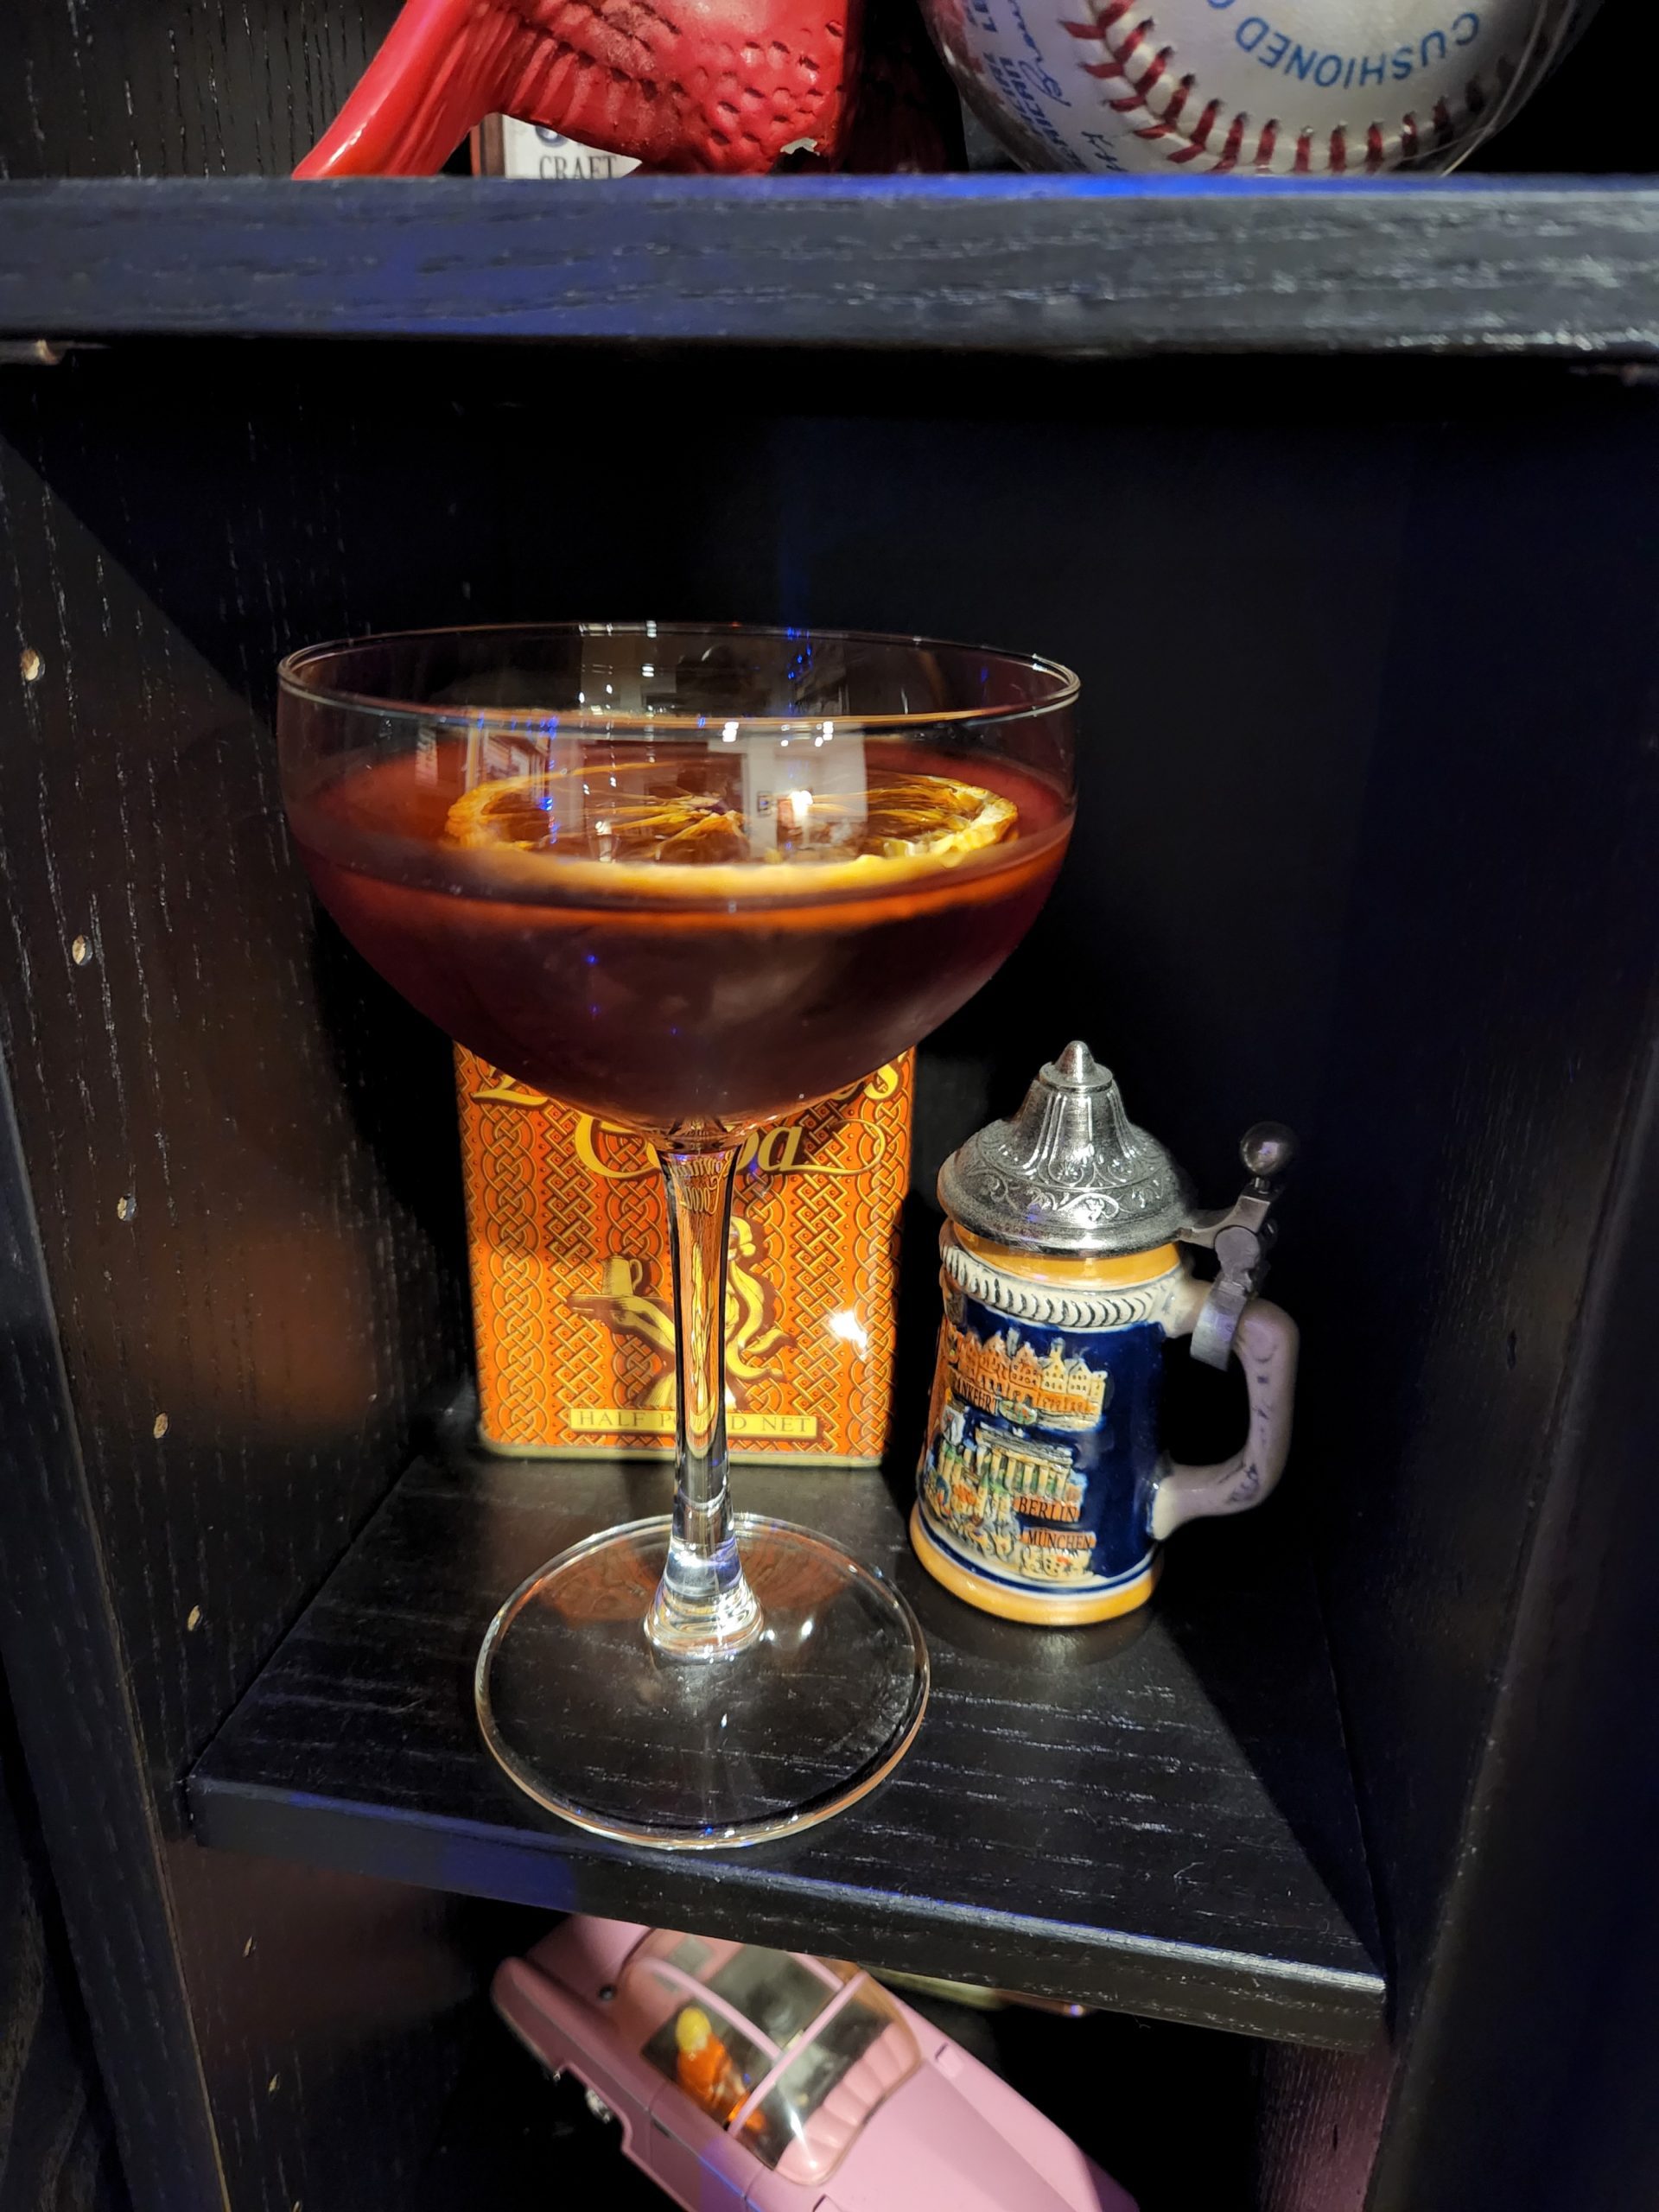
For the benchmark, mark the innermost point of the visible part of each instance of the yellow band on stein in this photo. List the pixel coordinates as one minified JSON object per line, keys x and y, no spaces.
{"x":1116,"y":1271}
{"x":1036,"y":1610}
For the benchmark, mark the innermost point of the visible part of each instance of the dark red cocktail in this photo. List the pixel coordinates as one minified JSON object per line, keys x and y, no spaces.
{"x":686,"y":879}
{"x":721,"y":988}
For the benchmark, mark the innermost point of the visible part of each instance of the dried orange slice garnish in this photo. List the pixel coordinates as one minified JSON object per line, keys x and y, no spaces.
{"x":896,"y":818}
{"x":915,"y":818}
{"x":509,"y":811}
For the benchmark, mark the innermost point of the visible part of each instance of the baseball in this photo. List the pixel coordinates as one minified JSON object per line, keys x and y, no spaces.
{"x":1266,"y":87}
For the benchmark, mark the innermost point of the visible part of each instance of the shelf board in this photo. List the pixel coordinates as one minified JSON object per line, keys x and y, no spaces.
{"x":1153,"y":1816}
{"x":1023,"y":265}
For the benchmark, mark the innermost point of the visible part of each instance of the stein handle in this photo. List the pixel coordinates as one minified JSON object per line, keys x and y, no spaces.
{"x":1264,"y":1344}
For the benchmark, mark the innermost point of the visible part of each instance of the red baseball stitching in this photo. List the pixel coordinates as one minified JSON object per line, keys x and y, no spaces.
{"x":1123,"y":46}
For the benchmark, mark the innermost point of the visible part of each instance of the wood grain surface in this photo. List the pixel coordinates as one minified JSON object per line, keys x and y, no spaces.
{"x":64,"y":1668}
{"x":174,"y":89}
{"x":1540,"y":2005}
{"x":223,"y":1123}
{"x":1019,"y":264}
{"x":1160,"y":1810}
{"x":1364,"y":659}
{"x":1501,"y":964}
{"x":57,"y":2146}
{"x":1485,"y":1185}
{"x":234,"y":1295}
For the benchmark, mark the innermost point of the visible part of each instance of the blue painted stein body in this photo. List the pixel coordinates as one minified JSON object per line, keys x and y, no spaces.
{"x":1045,"y":1493}
{"x":1044,"y":1458}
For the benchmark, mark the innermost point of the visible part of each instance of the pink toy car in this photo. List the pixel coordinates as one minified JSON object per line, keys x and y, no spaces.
{"x":782,"y":2083}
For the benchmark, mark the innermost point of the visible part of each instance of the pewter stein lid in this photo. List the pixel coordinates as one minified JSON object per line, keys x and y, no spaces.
{"x":1071,"y":1174}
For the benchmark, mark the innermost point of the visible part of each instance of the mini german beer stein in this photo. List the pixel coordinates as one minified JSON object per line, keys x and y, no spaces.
{"x":1044,"y":1492}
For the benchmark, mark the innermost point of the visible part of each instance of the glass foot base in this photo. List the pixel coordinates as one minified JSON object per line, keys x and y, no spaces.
{"x":593,"y":1721}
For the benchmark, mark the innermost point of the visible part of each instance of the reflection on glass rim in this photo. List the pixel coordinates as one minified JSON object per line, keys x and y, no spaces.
{"x":302,"y":673}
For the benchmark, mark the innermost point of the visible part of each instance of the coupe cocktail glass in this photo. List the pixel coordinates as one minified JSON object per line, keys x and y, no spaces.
{"x":688,"y":880}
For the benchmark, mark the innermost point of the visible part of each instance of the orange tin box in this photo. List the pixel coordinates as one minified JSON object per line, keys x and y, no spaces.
{"x":572,"y":1307}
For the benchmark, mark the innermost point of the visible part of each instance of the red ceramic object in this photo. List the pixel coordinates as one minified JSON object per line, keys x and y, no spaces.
{"x":724,"y":88}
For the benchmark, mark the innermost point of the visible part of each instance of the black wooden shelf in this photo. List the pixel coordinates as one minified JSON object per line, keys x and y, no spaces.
{"x":1154,"y":1815}
{"x":1029,"y":264}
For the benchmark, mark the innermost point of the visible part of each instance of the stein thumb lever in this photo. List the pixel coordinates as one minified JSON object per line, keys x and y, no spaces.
{"x":1241,"y":1237}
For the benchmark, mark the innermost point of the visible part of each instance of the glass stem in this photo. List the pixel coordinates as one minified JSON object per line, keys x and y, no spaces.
{"x":704,"y":1607}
